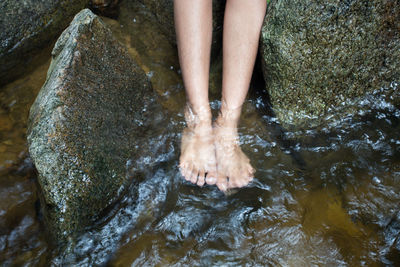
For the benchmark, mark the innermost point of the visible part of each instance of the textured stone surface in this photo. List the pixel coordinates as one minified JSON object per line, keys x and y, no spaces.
{"x":164,"y":11}
{"x":85,"y":125}
{"x":26,"y":27}
{"x":319,"y":54}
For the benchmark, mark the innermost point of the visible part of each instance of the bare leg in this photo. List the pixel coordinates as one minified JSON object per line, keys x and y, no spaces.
{"x":193,"y":25}
{"x":242,"y":26}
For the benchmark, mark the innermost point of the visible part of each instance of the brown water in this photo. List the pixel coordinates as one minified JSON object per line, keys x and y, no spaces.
{"x":326,"y":196}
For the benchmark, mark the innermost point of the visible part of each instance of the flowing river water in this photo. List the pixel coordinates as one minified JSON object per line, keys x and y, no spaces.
{"x":322,"y":196}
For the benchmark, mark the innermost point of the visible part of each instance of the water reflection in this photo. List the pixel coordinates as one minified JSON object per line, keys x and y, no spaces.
{"x":321,"y":196}
{"x":22,"y":237}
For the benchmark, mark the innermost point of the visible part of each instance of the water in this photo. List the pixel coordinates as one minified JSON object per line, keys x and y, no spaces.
{"x":321,"y":196}
{"x":22,"y":235}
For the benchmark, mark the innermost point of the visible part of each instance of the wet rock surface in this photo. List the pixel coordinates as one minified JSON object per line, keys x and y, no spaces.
{"x":318,"y":56}
{"x":164,"y":12}
{"x":86,"y":124}
{"x":26,"y":27}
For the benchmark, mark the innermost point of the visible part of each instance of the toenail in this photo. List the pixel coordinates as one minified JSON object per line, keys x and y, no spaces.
{"x":211,"y":179}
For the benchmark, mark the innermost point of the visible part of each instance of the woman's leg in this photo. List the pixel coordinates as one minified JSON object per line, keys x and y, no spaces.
{"x":193,"y":25}
{"x":242,"y":26}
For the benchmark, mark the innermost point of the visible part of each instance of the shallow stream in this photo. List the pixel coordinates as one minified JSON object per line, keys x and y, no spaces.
{"x":322,"y":196}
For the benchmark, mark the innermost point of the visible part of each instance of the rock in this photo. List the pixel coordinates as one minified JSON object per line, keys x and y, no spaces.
{"x":164,"y":11}
{"x":87,"y":125}
{"x":26,"y":27}
{"x":108,"y":8}
{"x":317,"y":55}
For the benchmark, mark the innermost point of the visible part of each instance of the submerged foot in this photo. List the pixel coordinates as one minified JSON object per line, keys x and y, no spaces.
{"x":233,"y":166}
{"x":197,"y":160}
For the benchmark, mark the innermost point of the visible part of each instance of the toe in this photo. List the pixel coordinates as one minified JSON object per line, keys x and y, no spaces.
{"x":251,"y":170}
{"x":233,"y":178}
{"x":182,"y":171}
{"x":241,"y":183}
{"x":194,"y":175}
{"x":187,"y":172}
{"x":222,"y":186}
{"x":211,"y":178}
{"x":250,"y":176}
{"x":182,"y":163}
{"x":233,"y":183}
{"x":201,"y":180}
{"x":244,"y":183}
{"x":238,"y":181}
{"x":222,"y":182}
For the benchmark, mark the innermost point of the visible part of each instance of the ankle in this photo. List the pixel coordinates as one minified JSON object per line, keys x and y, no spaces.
{"x":228,"y":117}
{"x":198,"y":117}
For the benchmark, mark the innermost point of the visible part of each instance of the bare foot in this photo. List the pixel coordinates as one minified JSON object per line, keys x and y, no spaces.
{"x":197,"y":160}
{"x":233,"y":166}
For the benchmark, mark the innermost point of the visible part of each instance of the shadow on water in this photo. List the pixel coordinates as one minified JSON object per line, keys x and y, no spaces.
{"x":262,"y":102}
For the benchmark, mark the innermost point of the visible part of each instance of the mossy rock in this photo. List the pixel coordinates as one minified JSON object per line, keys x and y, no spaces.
{"x":87,"y":125}
{"x":320,"y":55}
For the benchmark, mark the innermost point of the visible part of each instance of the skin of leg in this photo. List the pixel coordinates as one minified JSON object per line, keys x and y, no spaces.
{"x":242,"y":26}
{"x":193,"y":26}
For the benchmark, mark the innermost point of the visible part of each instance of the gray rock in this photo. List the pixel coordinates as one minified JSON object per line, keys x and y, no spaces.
{"x":318,"y":55}
{"x":164,"y":11}
{"x":26,"y":27}
{"x":85,"y":126}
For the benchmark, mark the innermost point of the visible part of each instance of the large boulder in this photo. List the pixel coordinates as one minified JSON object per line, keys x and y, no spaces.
{"x":319,"y":54}
{"x":26,"y":27}
{"x":164,"y":12}
{"x":87,"y":125}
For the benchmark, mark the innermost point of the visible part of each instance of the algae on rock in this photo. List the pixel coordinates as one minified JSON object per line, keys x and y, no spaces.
{"x":321,"y":55}
{"x":87,"y":124}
